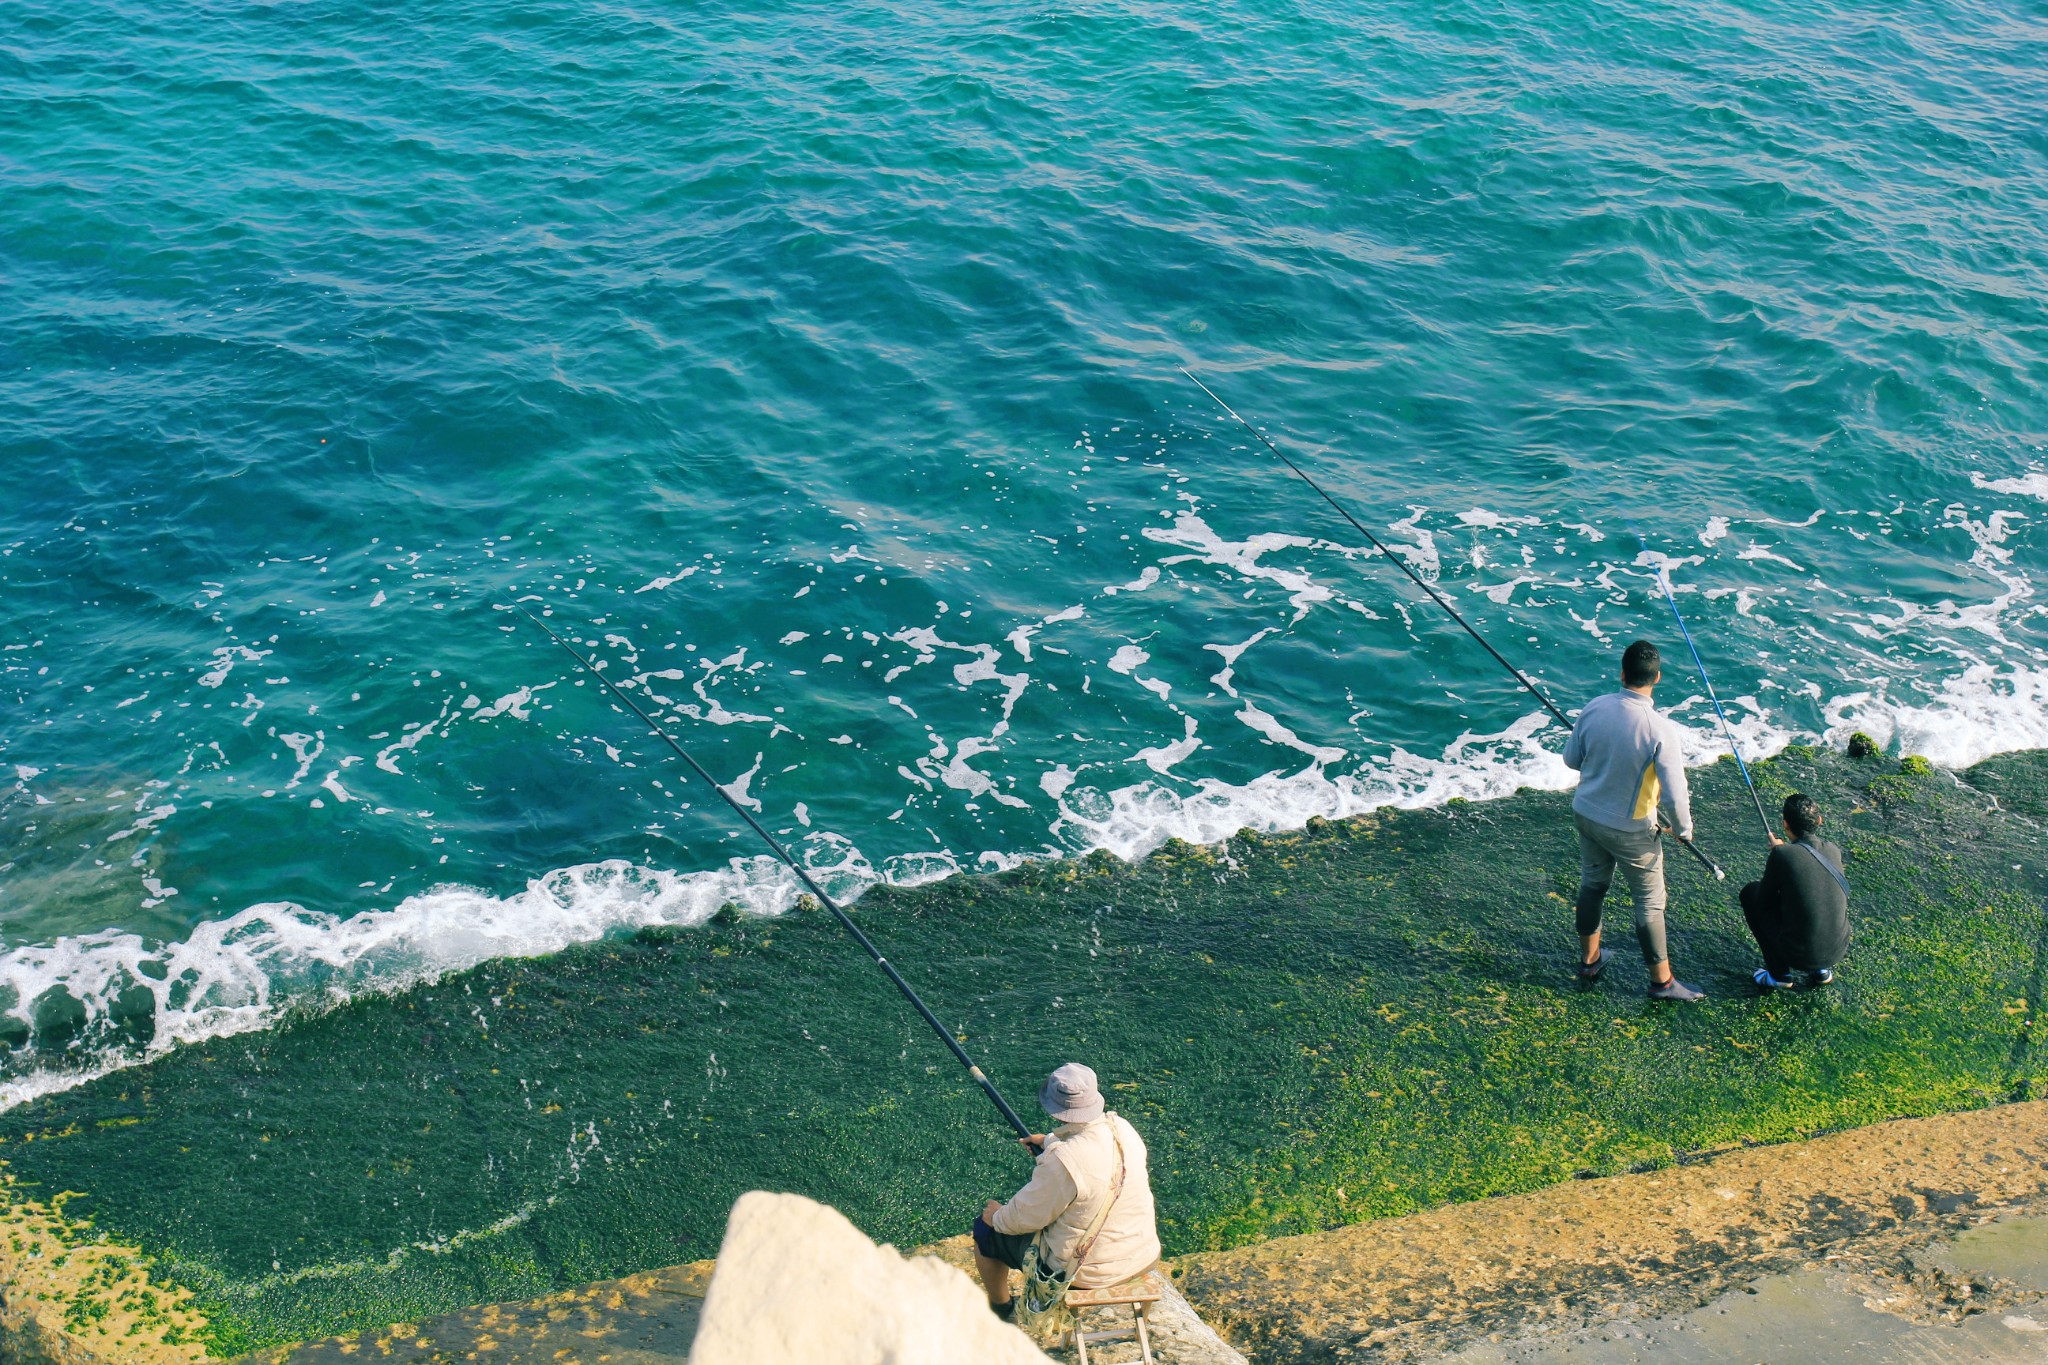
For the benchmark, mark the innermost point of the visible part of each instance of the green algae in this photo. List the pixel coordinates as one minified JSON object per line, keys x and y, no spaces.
{"x":1367,"y":1018}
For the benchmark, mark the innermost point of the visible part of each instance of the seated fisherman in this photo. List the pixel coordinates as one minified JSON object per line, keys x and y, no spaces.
{"x":1092,"y":1160}
{"x":1799,"y":912}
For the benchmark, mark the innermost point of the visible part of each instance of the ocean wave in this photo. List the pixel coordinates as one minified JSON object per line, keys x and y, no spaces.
{"x":247,"y":971}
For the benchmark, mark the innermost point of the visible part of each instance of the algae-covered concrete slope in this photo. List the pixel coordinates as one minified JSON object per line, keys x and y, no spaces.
{"x":1368,"y":1018}
{"x":69,"y":1295}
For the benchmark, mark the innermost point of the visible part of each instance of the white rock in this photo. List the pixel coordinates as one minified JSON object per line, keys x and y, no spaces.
{"x":797,"y":1282}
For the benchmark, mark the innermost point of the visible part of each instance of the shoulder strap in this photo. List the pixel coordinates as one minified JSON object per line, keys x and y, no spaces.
{"x":1101,"y":1217}
{"x":1840,"y":880}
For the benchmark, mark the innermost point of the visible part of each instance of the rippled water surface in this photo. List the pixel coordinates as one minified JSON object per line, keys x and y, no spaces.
{"x":817,"y":368}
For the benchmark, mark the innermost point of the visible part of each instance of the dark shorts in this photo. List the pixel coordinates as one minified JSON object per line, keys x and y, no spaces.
{"x":1007,"y":1247}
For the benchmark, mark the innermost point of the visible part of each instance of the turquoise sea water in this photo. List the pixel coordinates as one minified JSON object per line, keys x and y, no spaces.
{"x":817,"y":367}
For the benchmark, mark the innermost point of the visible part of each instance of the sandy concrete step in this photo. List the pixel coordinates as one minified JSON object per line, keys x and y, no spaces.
{"x":645,"y":1319}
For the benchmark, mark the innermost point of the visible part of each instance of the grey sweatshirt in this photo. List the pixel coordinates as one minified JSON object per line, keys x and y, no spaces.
{"x":1630,"y":762}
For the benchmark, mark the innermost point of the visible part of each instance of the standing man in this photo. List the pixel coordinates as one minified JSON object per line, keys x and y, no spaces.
{"x":1088,"y":1203}
{"x":1799,"y":912}
{"x":1631,"y":767}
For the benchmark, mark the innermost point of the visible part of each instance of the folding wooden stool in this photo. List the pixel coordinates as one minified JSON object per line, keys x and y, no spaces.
{"x":1137,"y":1294}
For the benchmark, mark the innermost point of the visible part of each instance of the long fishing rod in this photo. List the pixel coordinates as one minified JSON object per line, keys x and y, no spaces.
{"x":1422,"y":583}
{"x":845,"y":921}
{"x":1664,"y":582}
{"x":1392,"y":558}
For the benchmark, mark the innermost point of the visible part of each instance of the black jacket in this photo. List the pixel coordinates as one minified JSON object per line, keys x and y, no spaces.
{"x":1807,"y":908}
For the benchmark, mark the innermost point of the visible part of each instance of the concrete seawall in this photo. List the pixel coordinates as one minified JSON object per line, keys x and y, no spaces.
{"x":1496,"y":1279}
{"x":1370,"y":1019}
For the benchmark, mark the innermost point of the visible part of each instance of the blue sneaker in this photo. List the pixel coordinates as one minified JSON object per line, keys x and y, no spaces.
{"x":1674,"y":989}
{"x":1589,"y":972}
{"x":1766,"y":982}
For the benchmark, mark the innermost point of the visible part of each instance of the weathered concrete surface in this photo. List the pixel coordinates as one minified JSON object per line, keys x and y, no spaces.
{"x":1593,"y":1252}
{"x":646,"y":1319}
{"x":1179,"y":1336}
{"x":1981,"y":1299}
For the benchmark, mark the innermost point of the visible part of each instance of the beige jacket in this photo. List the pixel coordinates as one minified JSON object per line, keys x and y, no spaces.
{"x":1074,"y":1175}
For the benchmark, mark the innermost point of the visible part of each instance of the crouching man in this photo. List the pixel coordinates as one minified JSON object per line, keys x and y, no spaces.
{"x":1088,"y":1203}
{"x":1799,"y":912}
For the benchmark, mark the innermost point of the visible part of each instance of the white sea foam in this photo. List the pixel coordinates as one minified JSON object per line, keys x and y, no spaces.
{"x":1133,"y":820}
{"x":1231,"y":654}
{"x":1269,"y":726}
{"x":1143,"y":581}
{"x":1242,"y":557}
{"x":1162,"y":758}
{"x":1493,"y":521}
{"x":1128,"y":660}
{"x":2033,"y":484}
{"x":224,"y":660}
{"x":1054,"y":781}
{"x":240,"y":973}
{"x":1766,"y":554}
{"x":1965,"y":720}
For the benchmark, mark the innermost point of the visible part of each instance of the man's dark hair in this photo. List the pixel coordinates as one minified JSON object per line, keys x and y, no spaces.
{"x":1640,"y":664}
{"x":1802,"y":814}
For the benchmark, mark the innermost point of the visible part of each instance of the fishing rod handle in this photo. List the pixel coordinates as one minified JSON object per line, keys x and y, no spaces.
{"x":1705,"y":861}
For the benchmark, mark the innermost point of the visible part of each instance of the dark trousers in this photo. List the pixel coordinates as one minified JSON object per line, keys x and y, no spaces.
{"x":1781,"y":956}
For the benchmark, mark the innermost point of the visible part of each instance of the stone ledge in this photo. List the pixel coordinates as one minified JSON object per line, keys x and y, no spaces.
{"x":1422,"y":1286}
{"x":644,"y":1319}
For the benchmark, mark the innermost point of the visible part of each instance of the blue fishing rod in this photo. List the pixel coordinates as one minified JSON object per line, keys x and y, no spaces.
{"x":803,"y":875}
{"x":1727,"y":733}
{"x":1419,"y":581}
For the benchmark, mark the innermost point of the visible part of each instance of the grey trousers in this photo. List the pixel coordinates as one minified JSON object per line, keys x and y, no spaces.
{"x":1640,"y":854}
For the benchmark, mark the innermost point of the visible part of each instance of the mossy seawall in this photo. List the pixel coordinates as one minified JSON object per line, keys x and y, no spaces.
{"x":1366,"y":1018}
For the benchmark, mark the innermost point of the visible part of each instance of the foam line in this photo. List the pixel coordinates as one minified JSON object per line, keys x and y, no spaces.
{"x":1967,"y":719}
{"x":242,"y":973}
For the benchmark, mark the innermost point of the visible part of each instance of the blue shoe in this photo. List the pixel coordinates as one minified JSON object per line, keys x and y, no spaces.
{"x":1766,"y":982}
{"x":1589,"y":972}
{"x":1674,"y":989}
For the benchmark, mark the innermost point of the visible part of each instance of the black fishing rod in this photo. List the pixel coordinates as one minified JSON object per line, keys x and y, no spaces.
{"x":804,"y":876}
{"x":1392,"y":558}
{"x":1422,"y":583}
{"x":1664,"y":582}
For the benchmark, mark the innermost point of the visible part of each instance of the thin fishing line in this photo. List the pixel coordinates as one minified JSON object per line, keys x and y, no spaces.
{"x":1664,"y":582}
{"x":1423,"y":584}
{"x":803,"y":875}
{"x":1392,"y":558}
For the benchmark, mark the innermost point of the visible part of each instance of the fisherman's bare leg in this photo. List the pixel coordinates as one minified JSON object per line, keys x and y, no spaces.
{"x":995,"y":1278}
